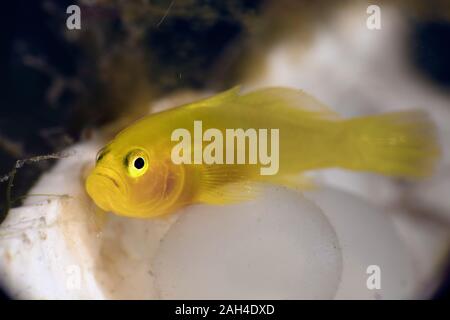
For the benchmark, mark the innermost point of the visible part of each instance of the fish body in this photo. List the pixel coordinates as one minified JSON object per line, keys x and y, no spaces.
{"x":136,"y":175}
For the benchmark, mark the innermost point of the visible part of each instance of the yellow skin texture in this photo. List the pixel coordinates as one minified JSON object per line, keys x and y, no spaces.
{"x":310,"y":137}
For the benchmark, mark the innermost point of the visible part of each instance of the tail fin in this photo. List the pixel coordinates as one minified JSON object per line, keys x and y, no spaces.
{"x":396,"y":144}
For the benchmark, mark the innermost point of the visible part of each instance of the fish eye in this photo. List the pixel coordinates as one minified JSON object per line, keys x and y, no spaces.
{"x":137,"y":163}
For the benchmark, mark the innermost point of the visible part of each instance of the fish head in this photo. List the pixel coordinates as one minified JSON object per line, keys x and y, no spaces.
{"x":130,"y":180}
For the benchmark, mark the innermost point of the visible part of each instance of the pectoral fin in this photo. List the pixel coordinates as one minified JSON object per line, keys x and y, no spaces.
{"x":222,"y":184}
{"x":230,"y":193}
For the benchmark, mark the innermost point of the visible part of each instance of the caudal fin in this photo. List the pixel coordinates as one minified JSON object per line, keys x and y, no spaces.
{"x":396,"y":144}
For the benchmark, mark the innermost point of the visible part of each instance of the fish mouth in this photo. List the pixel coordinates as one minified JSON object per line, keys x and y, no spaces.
{"x":104,"y":188}
{"x":109,"y":178}
{"x":104,"y":174}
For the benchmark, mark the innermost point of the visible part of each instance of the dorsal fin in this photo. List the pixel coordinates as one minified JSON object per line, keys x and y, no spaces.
{"x":217,"y":99}
{"x":274,"y":98}
{"x":271,"y":98}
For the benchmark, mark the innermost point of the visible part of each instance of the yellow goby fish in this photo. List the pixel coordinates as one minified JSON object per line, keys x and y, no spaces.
{"x":136,"y":174}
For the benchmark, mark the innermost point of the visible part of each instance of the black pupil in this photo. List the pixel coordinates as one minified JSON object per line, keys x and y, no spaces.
{"x":139,"y":163}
